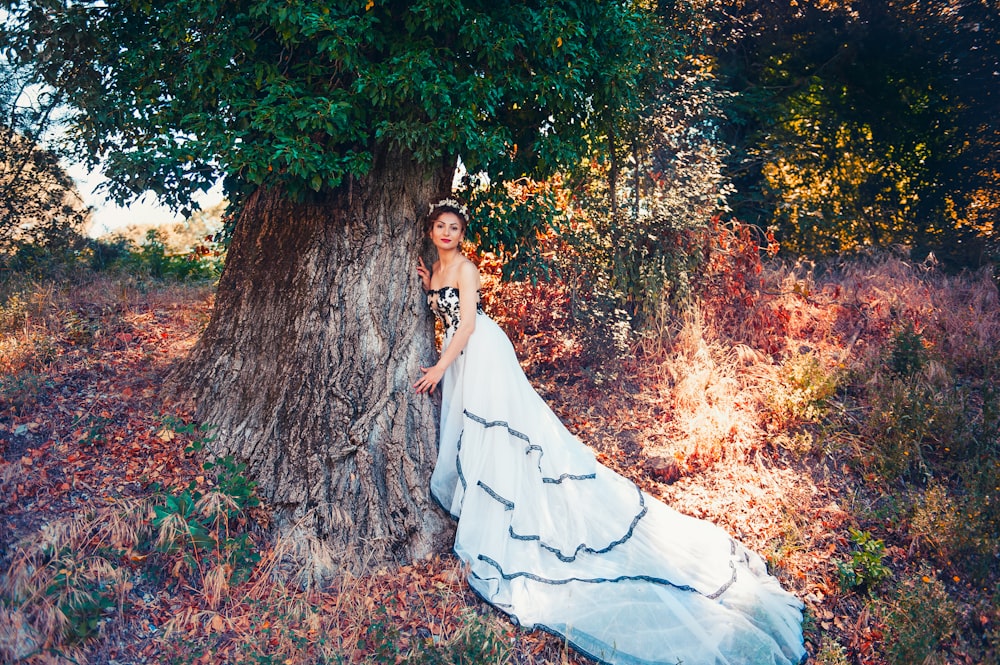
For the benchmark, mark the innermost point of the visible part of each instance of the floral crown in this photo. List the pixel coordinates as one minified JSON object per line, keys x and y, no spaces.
{"x":449,"y":203}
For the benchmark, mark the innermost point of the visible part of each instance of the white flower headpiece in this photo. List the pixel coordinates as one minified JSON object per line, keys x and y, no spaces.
{"x":449,"y":203}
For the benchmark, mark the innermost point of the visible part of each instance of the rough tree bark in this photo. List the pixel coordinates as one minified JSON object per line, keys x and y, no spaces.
{"x":306,"y":368}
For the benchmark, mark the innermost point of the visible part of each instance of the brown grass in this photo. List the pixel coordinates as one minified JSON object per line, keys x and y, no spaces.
{"x":766,"y":444}
{"x":721,"y":420}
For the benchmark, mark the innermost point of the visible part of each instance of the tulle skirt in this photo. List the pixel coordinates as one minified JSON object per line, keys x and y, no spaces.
{"x":560,"y":542}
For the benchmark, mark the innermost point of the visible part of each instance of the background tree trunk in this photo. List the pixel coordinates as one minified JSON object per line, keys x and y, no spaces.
{"x":306,"y":368}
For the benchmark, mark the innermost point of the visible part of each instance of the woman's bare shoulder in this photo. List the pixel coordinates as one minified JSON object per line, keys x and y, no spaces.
{"x":468,"y":270}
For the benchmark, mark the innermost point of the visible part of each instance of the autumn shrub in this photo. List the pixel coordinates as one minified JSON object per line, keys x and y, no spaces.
{"x":13,"y":307}
{"x":713,"y":401}
{"x":940,"y":446}
{"x":104,"y":254}
{"x":919,"y":615}
{"x":937,"y":521}
{"x":729,"y":283}
{"x":537,"y":317}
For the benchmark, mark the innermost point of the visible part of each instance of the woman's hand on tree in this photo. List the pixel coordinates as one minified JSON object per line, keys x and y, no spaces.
{"x":430,"y":379}
{"x":424,"y":274}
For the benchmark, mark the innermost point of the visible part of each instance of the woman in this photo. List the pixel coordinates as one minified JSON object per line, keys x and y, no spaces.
{"x":560,"y":542}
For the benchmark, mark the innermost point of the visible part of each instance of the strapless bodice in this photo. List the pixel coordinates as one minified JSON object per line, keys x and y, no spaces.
{"x":444,"y":303}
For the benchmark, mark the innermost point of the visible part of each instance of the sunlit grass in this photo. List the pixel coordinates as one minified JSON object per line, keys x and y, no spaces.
{"x":859,"y":396}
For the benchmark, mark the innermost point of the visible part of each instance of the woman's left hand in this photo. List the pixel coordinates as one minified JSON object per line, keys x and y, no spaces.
{"x":430,"y":379}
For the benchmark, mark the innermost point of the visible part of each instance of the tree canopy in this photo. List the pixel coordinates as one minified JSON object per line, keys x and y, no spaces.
{"x":172,"y":95}
{"x":333,"y":125}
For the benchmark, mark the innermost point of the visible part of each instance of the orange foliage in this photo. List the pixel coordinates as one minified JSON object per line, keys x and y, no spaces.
{"x":537,"y":316}
{"x":728,"y":284}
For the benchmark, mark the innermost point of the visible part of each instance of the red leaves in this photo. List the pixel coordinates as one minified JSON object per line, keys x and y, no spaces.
{"x":729,"y":283}
{"x":88,"y":429}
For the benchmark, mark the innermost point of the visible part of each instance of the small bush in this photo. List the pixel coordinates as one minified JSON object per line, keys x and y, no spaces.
{"x":104,"y":254}
{"x":46,"y":258}
{"x":907,"y":354}
{"x":900,"y":419}
{"x":831,"y":653}
{"x":937,"y":520}
{"x":808,"y":388}
{"x":919,"y":617}
{"x":865,"y":570}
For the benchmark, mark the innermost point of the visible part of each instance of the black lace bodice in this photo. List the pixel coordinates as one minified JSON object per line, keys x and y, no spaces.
{"x":444,"y":302}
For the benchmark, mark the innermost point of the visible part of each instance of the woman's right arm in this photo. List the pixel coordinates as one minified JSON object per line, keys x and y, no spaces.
{"x":468,"y":301}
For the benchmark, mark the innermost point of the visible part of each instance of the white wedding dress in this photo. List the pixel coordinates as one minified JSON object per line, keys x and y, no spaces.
{"x":562,"y":543}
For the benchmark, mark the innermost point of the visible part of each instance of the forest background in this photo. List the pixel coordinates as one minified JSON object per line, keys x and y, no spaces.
{"x":771,"y":301}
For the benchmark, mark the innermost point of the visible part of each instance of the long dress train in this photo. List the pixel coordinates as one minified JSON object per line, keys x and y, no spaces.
{"x":562,"y":543}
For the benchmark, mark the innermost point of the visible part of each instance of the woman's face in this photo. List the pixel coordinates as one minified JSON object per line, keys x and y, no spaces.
{"x":446,"y":231}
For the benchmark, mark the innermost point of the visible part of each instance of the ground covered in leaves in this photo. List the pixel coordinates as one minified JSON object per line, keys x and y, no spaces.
{"x":842,"y":424}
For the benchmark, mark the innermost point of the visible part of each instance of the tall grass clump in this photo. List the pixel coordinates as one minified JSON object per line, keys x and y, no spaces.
{"x":198,"y":555}
{"x":72,"y":577}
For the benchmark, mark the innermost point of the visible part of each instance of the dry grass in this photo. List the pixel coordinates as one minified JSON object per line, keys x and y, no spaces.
{"x":758,"y":426}
{"x":105,"y":309}
{"x":61,"y":581}
{"x":774,"y":440}
{"x":89,"y":566}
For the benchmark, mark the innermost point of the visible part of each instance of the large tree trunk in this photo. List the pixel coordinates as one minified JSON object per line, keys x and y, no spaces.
{"x":306,"y":368}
